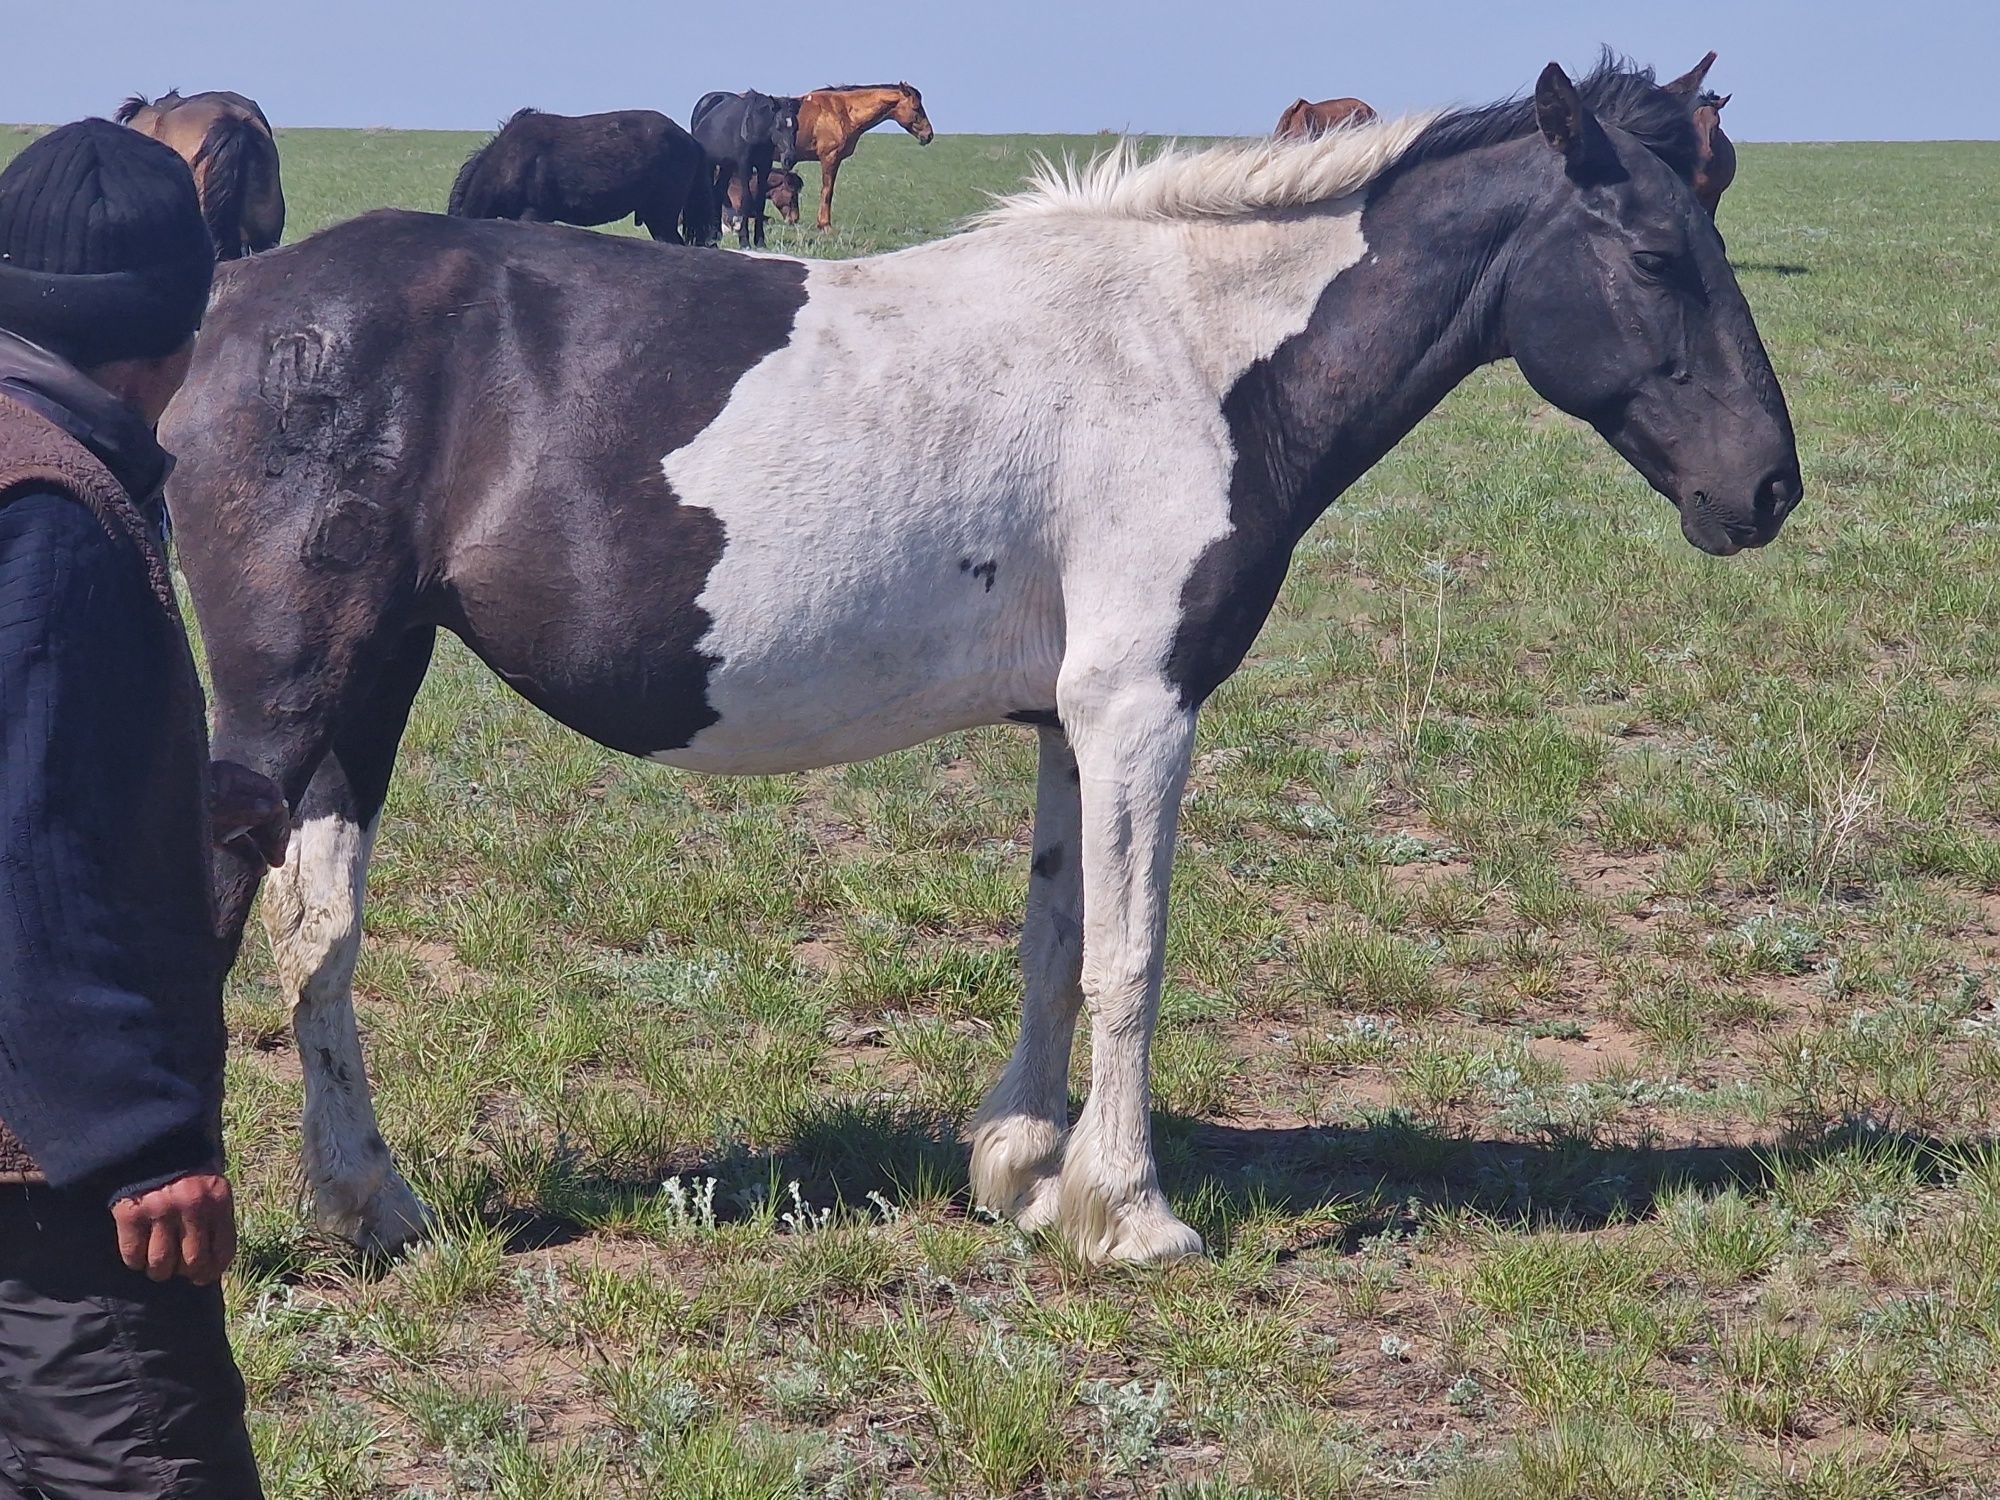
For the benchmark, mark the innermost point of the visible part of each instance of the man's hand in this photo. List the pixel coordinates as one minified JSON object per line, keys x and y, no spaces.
{"x":187,"y":1228}
{"x":248,"y":813}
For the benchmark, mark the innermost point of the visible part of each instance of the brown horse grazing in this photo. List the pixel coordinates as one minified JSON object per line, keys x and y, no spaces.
{"x":833,"y":119}
{"x":1303,"y":118}
{"x":1715,"y":165}
{"x":782,"y":190}
{"x":227,"y":143}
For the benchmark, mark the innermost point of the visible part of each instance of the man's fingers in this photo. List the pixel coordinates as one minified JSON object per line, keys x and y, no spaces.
{"x":185,"y":1228}
{"x":163,"y":1247}
{"x":208,"y":1242}
{"x":223,"y":1238}
{"x":134,"y":1230}
{"x":195,"y":1245}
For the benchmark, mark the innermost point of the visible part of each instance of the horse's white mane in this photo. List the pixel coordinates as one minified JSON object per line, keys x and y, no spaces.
{"x":1218,"y":182}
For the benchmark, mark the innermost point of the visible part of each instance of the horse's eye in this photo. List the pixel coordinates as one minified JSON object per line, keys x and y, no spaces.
{"x":1655,"y":264}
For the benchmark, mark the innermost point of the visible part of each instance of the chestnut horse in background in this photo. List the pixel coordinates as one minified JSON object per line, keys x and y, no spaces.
{"x":1715,"y":169}
{"x":1715,"y":160}
{"x":833,"y":119}
{"x":1303,"y":118}
{"x":227,"y":144}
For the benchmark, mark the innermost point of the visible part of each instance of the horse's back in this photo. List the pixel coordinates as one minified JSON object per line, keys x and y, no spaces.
{"x":228,"y":101}
{"x":606,"y":125}
{"x":1304,"y":117}
{"x":582,"y":169}
{"x":481,"y":314}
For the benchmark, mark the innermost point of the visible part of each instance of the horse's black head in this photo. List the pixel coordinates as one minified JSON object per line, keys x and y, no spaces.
{"x":1621,"y":308}
{"x":785,"y":130}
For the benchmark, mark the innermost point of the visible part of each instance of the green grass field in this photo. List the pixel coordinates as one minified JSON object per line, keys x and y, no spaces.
{"x":1581,"y":1044}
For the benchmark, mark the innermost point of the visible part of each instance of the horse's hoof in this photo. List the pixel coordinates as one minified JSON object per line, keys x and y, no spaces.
{"x":1153,"y":1239}
{"x":1129,"y":1223}
{"x":388,"y":1220}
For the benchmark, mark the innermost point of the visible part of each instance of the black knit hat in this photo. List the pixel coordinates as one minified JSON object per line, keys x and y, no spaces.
{"x":103,"y":252}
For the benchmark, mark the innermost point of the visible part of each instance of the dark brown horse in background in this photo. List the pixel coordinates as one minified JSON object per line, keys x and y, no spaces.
{"x":1303,"y":118}
{"x":833,"y":119}
{"x":1715,"y":164}
{"x":227,"y":144}
{"x":588,"y":169}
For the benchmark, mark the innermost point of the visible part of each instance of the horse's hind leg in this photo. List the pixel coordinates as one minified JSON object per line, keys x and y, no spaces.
{"x":312,"y":914}
{"x":1017,"y":1136}
{"x":656,"y":216}
{"x":753,"y":200}
{"x":743,"y":170}
{"x":829,"y":168}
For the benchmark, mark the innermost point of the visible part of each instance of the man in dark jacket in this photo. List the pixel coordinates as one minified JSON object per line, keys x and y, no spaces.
{"x":116,"y":1222}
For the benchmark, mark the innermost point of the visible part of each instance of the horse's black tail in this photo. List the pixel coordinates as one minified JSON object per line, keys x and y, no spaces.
{"x":459,"y":204}
{"x":222,"y":165}
{"x":461,"y":185}
{"x":701,"y":216}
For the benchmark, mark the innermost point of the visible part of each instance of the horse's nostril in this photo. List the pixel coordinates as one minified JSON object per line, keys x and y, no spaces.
{"x":1778,"y":494}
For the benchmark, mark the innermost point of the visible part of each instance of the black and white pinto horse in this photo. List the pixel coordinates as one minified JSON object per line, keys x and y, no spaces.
{"x":1059,"y":468}
{"x":745,"y":135}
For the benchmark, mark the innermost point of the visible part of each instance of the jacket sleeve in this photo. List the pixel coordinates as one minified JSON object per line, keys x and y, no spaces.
{"x":92,"y":1078}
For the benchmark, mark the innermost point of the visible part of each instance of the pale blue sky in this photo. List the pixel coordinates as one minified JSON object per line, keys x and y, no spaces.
{"x":1837,"y":69}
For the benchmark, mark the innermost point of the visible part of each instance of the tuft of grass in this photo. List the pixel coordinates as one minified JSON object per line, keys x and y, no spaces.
{"x":1353,"y":966}
{"x":992,"y":1409}
{"x":1723,"y":1238}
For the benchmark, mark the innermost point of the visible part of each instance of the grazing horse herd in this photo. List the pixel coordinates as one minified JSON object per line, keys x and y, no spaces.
{"x":683,"y":186}
{"x":1058,"y":466}
{"x":1715,"y":159}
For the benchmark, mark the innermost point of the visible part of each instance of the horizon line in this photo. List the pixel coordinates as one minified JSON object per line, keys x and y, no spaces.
{"x":381,"y":129}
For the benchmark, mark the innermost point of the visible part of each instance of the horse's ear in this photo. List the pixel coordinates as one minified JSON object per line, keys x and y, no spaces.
{"x":1722,"y":100}
{"x":1567,"y":123}
{"x":1690,"y":81}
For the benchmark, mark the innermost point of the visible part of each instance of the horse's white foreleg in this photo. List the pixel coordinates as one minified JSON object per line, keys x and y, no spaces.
{"x":312,"y":912}
{"x":1017,"y":1136}
{"x":1132,"y":748}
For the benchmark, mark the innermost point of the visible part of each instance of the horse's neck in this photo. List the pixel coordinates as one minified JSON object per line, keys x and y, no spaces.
{"x":868,"y":108}
{"x":1413,"y":310}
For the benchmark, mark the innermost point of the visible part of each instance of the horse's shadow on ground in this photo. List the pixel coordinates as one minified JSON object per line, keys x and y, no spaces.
{"x":1347,"y":1181}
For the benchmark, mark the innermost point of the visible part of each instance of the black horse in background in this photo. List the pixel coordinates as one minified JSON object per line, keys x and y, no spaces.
{"x":590,"y":169}
{"x":743,"y":135}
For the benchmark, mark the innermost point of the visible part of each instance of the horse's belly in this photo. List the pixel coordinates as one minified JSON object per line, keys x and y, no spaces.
{"x":794,"y":701}
{"x":830,"y":733}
